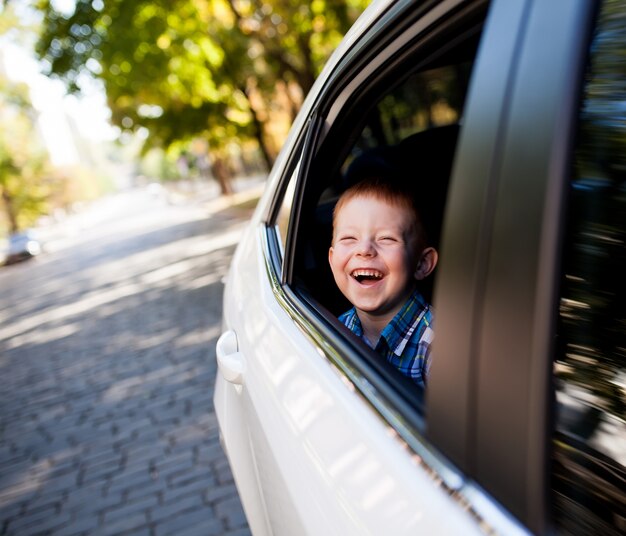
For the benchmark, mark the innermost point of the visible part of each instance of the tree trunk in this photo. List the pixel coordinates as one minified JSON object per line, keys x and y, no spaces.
{"x":222,"y":175}
{"x":294,"y":105}
{"x":340,"y":9}
{"x":258,"y":130}
{"x":258,"y":133}
{"x":10,"y":211}
{"x":306,"y":76}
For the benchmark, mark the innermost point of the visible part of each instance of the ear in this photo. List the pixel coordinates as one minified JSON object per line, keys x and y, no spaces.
{"x":330,"y":256}
{"x":426,"y":264}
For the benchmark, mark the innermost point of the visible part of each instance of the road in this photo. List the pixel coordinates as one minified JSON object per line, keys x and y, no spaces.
{"x":107,"y":360}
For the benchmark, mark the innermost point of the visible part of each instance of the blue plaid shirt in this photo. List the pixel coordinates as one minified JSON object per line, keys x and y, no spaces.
{"x":405,"y":341}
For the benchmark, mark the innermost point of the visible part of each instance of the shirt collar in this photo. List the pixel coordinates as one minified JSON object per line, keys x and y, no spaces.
{"x":398,"y":332}
{"x":353,"y":322}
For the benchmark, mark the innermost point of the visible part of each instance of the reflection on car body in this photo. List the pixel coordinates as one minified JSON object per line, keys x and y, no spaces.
{"x":505,"y":117}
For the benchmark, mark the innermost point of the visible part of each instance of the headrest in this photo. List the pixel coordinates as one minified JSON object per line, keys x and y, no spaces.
{"x":422,"y":162}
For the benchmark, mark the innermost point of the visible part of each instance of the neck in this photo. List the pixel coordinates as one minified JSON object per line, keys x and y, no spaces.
{"x":373,"y":326}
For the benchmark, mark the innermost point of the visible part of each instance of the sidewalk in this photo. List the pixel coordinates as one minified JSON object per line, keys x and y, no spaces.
{"x":107,"y":349}
{"x":65,"y":232}
{"x":246,"y":189}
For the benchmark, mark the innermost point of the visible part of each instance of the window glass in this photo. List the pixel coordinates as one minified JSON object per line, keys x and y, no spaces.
{"x":284,"y":212}
{"x":425,"y":100}
{"x":589,"y":456}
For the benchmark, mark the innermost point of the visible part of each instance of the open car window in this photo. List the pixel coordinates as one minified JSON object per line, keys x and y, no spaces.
{"x":408,"y":118}
{"x":410,"y":133}
{"x":406,"y":113}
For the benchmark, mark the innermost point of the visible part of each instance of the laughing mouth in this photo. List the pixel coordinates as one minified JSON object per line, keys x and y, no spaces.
{"x":366,"y":275}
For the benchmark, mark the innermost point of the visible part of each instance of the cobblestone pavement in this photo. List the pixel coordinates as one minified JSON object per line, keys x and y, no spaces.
{"x":107,"y":360}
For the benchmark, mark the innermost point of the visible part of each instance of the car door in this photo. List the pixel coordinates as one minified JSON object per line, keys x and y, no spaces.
{"x":320,"y":436}
{"x":524,"y":352}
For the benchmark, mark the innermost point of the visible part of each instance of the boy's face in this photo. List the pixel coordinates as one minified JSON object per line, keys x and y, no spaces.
{"x":374,"y":255}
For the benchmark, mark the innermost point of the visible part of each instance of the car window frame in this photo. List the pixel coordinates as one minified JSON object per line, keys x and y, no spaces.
{"x":466,"y":233}
{"x":360,"y":358}
{"x":312,"y":132}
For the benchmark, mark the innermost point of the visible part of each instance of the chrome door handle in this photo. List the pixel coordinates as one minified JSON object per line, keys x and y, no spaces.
{"x":230,"y":360}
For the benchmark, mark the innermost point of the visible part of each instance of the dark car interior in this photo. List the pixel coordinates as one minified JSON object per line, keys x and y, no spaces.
{"x":404,"y":125}
{"x":409,"y":132}
{"x":433,"y":149}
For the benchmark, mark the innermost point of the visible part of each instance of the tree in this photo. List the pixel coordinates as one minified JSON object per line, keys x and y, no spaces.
{"x":30,"y":186}
{"x":25,"y":181}
{"x":195,"y":68}
{"x":296,"y":37}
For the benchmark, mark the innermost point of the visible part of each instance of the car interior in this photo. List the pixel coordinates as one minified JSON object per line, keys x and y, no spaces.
{"x":405,"y":124}
{"x":434,"y":150}
{"x":409,"y":132}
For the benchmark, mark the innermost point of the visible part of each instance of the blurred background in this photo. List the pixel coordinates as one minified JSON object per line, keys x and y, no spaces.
{"x":135,"y":139}
{"x":98,"y":96}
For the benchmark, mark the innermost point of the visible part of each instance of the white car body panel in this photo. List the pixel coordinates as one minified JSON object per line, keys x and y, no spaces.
{"x":309,"y":455}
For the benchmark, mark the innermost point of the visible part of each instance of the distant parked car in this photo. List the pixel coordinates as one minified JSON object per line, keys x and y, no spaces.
{"x":22,"y":246}
{"x":507,"y":118}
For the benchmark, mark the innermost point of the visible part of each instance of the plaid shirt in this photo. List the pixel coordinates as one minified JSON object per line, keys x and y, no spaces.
{"x":405,"y":341}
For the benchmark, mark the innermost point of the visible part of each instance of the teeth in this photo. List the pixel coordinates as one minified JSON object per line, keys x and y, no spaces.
{"x":367,"y":273}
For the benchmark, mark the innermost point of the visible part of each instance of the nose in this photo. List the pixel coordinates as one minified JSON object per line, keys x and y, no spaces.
{"x":365,"y":248}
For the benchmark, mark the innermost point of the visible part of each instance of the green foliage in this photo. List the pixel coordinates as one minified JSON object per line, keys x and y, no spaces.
{"x":29,"y":185}
{"x":194,"y":68}
{"x":295,"y":38}
{"x":605,"y":96}
{"x":25,"y":183}
{"x":158,"y":165}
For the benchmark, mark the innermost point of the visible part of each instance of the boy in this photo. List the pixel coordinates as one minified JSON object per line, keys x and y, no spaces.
{"x":379,"y":250}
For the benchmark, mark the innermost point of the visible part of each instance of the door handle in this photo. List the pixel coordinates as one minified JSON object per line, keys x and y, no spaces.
{"x":230,"y":360}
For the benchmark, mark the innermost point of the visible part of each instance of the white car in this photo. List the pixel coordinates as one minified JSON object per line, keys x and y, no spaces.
{"x":21,"y":246}
{"x":507,"y":117}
